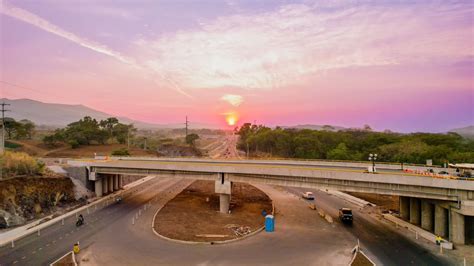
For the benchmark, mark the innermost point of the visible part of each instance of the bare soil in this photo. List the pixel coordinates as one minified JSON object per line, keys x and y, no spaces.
{"x":193,"y":215}
{"x":384,"y":202}
{"x":361,"y":260}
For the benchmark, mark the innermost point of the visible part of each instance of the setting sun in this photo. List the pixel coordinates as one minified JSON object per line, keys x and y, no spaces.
{"x":231,"y":119}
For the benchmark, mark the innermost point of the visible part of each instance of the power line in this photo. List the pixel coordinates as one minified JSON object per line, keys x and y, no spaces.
{"x":18,"y":86}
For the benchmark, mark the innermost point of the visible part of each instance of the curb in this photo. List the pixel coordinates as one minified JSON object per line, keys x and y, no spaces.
{"x":218,"y":242}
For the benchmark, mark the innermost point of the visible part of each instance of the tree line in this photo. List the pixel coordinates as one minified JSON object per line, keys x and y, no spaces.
{"x":89,"y":131}
{"x":354,"y":144}
{"x":23,"y":129}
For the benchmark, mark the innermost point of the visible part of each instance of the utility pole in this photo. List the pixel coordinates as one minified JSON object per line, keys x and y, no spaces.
{"x":128,"y":138}
{"x":2,"y":140}
{"x":2,"y":144}
{"x":187,"y":122}
{"x":144,"y":146}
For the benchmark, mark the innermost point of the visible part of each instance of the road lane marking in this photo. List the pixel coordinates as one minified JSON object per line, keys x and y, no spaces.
{"x":24,"y":257}
{"x":33,"y":252}
{"x":15,"y":262}
{"x":40,"y":249}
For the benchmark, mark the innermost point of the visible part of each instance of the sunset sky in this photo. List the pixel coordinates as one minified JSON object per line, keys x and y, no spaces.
{"x":399,"y":65}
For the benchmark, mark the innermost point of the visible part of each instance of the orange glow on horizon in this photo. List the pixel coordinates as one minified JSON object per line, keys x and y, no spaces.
{"x":231,"y":119}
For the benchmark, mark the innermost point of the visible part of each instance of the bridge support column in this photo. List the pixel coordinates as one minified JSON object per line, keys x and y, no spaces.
{"x":415,"y":211}
{"x":111,"y":183}
{"x":427,"y":215}
{"x":223,"y":187}
{"x":120,"y":181}
{"x":116,"y":182}
{"x":457,"y":230}
{"x":224,"y":202}
{"x":98,"y":187}
{"x":441,"y":221}
{"x":405,"y":208}
{"x":105,"y":185}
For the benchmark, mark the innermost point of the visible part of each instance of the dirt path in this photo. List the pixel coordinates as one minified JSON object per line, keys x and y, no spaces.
{"x":194,"y":214}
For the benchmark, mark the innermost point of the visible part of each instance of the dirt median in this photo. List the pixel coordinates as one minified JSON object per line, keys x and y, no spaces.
{"x":193,"y":215}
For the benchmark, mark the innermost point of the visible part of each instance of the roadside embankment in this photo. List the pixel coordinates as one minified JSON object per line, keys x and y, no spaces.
{"x":26,"y":198}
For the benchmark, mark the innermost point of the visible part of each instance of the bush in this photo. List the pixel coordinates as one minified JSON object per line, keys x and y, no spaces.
{"x":121,"y":152}
{"x":20,"y":163}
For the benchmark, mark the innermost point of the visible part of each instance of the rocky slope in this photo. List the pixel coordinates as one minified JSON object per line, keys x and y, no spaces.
{"x":26,"y":198}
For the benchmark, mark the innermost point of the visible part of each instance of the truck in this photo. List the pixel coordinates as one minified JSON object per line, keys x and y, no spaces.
{"x":345,"y":214}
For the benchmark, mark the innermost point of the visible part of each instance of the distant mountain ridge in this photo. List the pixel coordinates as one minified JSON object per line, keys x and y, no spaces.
{"x":60,"y":115}
{"x":317,"y":127}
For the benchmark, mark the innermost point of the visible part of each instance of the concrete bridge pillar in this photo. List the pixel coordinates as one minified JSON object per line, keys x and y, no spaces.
{"x":116,"y":182}
{"x":415,"y":211}
{"x":427,"y":215}
{"x":405,"y":208}
{"x":441,"y":221}
{"x":224,"y":203}
{"x":223,"y":187}
{"x":457,"y":232}
{"x":105,"y":185}
{"x":111,"y":183}
{"x":120,"y":181}
{"x":98,"y":187}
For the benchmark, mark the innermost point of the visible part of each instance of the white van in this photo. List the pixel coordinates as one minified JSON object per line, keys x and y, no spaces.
{"x":308,"y":195}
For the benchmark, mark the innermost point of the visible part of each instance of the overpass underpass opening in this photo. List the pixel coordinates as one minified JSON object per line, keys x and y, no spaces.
{"x":469,"y":227}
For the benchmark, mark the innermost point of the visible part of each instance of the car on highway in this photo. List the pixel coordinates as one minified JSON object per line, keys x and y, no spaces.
{"x":345,"y":214}
{"x":308,"y":195}
{"x":443,"y":173}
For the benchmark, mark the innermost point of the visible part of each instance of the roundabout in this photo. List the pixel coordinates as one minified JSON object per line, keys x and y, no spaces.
{"x":193,"y":215}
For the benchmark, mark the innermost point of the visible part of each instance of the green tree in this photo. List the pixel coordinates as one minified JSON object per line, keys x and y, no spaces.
{"x":109,"y":124}
{"x":191,"y":139}
{"x":341,"y":152}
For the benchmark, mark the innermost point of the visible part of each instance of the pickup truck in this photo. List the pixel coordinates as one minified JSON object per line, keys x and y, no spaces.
{"x":345,"y":214}
{"x":308,"y":195}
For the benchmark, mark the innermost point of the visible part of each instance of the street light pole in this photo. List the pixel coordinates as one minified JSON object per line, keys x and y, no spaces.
{"x":373,"y":158}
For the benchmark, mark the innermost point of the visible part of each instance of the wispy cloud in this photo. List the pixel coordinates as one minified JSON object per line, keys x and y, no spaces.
{"x":235,"y":100}
{"x":34,"y":20}
{"x":278,"y":48}
{"x":43,"y":24}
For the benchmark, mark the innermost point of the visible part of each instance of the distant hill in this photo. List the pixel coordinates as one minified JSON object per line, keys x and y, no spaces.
{"x":60,"y":115}
{"x":316,"y":127}
{"x":467,"y":132}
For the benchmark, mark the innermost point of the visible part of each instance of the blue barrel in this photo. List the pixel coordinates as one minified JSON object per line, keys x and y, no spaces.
{"x":269,"y":223}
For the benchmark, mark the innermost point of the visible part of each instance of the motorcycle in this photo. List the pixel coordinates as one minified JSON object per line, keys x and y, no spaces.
{"x":80,"y":221}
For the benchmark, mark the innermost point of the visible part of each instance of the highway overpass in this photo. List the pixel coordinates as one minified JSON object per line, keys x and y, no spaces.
{"x":440,"y":205}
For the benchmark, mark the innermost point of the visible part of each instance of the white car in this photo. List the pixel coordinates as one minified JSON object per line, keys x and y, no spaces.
{"x":308,"y":195}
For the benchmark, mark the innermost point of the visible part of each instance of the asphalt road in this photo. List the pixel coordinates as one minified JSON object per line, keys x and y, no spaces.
{"x":56,"y":240}
{"x":385,"y":245}
{"x":301,"y":236}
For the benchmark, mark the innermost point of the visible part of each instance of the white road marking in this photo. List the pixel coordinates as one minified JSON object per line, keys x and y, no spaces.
{"x":24,"y":257}
{"x":15,"y":262}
